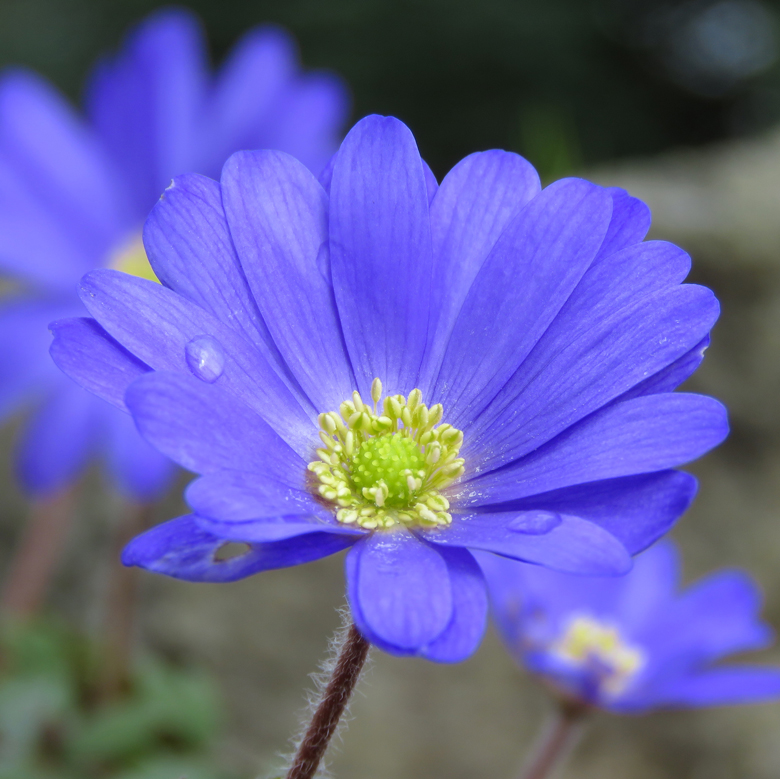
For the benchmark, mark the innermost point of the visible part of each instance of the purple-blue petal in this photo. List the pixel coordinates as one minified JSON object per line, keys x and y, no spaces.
{"x":380,"y":251}
{"x":641,"y":435}
{"x":573,"y":545}
{"x":237,"y":496}
{"x":463,"y":635}
{"x":476,"y":201}
{"x":527,"y":277}
{"x":190,"y":250}
{"x":399,"y":591}
{"x":205,"y":429}
{"x":91,"y":357}
{"x":181,"y":548}
{"x":277,"y":213}
{"x":157,"y":325}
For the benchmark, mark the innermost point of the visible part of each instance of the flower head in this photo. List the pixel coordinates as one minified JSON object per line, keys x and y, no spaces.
{"x":634,"y":643}
{"x":408,"y":370}
{"x":74,"y":193}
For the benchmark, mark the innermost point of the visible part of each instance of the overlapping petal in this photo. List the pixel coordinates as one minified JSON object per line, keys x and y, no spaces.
{"x":381,"y":253}
{"x":277,"y":213}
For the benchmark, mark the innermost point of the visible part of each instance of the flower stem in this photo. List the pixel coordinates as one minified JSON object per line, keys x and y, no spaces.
{"x":37,"y":554}
{"x":119,"y":620}
{"x":555,"y":741}
{"x":311,"y":750}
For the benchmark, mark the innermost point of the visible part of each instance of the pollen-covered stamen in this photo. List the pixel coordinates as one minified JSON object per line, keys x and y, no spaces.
{"x":384,"y":464}
{"x":590,"y":643}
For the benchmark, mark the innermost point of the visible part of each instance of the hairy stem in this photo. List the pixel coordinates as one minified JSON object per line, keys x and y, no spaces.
{"x":121,"y":602}
{"x":555,"y":741}
{"x":37,"y":554}
{"x":311,"y":750}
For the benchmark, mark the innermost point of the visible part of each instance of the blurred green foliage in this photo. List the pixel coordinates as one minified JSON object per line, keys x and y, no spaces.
{"x":54,"y":724}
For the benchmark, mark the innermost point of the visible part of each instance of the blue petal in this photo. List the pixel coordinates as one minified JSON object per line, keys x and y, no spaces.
{"x":636,"y":436}
{"x":381,"y":256}
{"x":58,"y":440}
{"x":277,"y":214}
{"x":280,"y":528}
{"x":205,"y":429}
{"x":138,"y":470}
{"x":183,"y":549}
{"x":476,"y":201}
{"x":627,"y":319}
{"x":190,"y":249}
{"x":399,"y":591}
{"x":146,"y":103}
{"x":671,"y":377}
{"x":637,"y":510}
{"x":90,"y":356}
{"x":629,"y":223}
{"x":156,"y":324}
{"x":573,"y":544}
{"x":463,"y":635}
{"x":531,"y":271}
{"x":237,"y":496}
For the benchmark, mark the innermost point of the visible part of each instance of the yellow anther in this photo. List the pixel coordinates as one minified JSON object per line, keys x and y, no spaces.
{"x":376,"y":391}
{"x":385,"y":464}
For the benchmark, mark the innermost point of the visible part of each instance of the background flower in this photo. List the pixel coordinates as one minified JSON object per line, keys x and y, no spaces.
{"x":551,"y":334}
{"x":74,"y":193}
{"x":634,"y":643}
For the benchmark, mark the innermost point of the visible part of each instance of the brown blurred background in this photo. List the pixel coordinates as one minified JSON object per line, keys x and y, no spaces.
{"x":676,"y":101}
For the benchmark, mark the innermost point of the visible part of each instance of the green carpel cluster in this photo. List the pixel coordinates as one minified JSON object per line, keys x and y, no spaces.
{"x":384,"y":464}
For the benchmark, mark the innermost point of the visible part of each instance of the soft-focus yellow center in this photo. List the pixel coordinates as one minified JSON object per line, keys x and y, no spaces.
{"x":588,"y":642}
{"x":131,"y":258}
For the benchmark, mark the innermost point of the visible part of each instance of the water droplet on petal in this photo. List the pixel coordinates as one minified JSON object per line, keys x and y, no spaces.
{"x":205,"y":357}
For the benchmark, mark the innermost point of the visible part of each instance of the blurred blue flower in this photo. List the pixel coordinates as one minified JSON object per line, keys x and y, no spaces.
{"x":634,"y":643}
{"x":476,"y":365}
{"x":74,"y":194}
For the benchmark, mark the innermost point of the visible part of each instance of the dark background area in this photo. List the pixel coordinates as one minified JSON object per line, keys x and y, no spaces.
{"x":565,"y":82}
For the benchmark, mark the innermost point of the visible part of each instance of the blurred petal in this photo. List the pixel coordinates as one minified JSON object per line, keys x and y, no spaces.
{"x":629,"y":223}
{"x":58,"y":440}
{"x":139,"y":471}
{"x":146,"y":103}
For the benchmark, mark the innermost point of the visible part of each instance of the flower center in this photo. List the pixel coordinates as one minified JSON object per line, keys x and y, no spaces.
{"x":131,"y":258}
{"x":384,"y":465}
{"x":599,"y":647}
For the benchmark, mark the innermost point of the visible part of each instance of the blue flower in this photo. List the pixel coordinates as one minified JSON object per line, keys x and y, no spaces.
{"x":407,"y":370}
{"x":634,"y":643}
{"x":74,"y":194}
